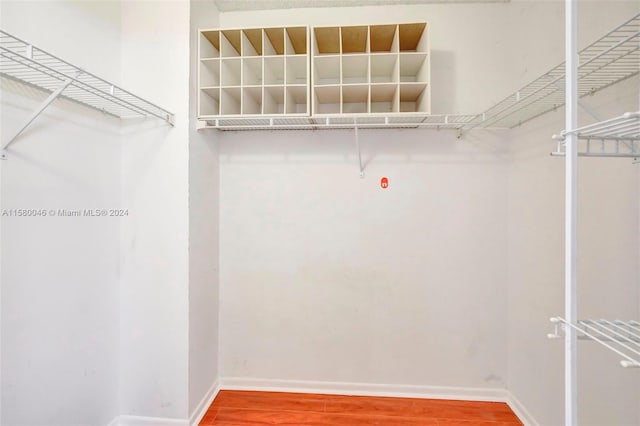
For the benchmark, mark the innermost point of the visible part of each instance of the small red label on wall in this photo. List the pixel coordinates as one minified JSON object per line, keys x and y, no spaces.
{"x":384,"y":183}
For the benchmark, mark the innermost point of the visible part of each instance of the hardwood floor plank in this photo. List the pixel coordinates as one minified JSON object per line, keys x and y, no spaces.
{"x":240,"y":408}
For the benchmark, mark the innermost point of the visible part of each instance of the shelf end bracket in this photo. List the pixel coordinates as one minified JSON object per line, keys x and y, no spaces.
{"x":52,"y":97}
{"x":359,"y":151}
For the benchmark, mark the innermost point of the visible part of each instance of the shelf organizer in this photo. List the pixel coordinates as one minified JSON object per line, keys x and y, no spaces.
{"x":372,"y":76}
{"x":27,"y":64}
{"x":615,"y":137}
{"x":253,"y":72}
{"x":612,"y":58}
{"x":621,"y":337}
{"x":371,"y":69}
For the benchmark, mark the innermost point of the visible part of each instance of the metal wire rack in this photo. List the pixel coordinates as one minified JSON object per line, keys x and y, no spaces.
{"x":611,"y":59}
{"x":28,"y":64}
{"x":456,"y":122}
{"x":621,"y":337}
{"x":616,"y":137}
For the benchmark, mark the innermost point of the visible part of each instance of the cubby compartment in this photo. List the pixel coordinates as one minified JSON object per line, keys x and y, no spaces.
{"x":209,"y":72}
{"x":413,"y":37}
{"x":251,"y":100}
{"x":252,"y":42}
{"x":252,"y":71}
{"x":327,"y":40}
{"x":327,"y":100}
{"x":355,"y":99}
{"x":209,"y":102}
{"x":274,"y":70}
{"x":273,"y":41}
{"x":414,"y":97}
{"x":231,"y":71}
{"x":273,"y":100}
{"x":383,"y":38}
{"x":296,"y":41}
{"x":354,"y":39}
{"x":230,"y":101}
{"x":296,"y":69}
{"x":385,"y":98}
{"x":384,"y":68}
{"x":326,"y":70}
{"x":296,"y":100}
{"x":209,"y":44}
{"x":355,"y":69}
{"x":230,"y":43}
{"x":414,"y":67}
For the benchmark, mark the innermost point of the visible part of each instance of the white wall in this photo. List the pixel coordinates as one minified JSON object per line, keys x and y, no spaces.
{"x":154,"y":318}
{"x":327,"y":277}
{"x":59,"y":279}
{"x":203,"y":234}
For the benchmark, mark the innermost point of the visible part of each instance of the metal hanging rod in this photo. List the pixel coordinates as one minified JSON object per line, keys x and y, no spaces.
{"x":612,"y":58}
{"x":621,"y":337}
{"x":28,"y":64}
{"x":625,"y":127}
{"x":615,"y":137}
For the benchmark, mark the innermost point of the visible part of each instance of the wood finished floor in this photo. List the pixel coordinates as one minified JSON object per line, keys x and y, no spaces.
{"x":241,"y":408}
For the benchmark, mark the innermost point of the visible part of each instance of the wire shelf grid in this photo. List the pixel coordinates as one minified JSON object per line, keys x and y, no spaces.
{"x":611,"y":59}
{"x":28,"y":64}
{"x":620,"y":337}
{"x":456,"y":122}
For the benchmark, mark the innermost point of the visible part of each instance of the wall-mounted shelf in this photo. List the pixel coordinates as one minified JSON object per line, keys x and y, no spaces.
{"x":253,"y":72}
{"x":610,"y":59}
{"x":621,"y":337}
{"x":273,"y":75}
{"x":338,"y":121}
{"x":616,"y":137}
{"x":28,"y":64}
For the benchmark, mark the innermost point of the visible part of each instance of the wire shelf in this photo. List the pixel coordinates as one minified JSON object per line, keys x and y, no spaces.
{"x":621,"y":337}
{"x":456,"y":122}
{"x":611,"y":59}
{"x":28,"y":64}
{"x":616,"y":137}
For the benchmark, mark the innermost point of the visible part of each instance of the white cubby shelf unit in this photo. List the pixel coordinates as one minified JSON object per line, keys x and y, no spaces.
{"x":253,"y":72}
{"x":302,"y":77}
{"x":371,"y":69}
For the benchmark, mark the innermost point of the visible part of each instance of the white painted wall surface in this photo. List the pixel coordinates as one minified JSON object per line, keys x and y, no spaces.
{"x":607,"y":270}
{"x":154,"y":322}
{"x":327,"y":277}
{"x":203,"y":234}
{"x":59,"y":280}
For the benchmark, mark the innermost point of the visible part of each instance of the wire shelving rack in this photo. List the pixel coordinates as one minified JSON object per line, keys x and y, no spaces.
{"x":609,"y":60}
{"x":28,"y":64}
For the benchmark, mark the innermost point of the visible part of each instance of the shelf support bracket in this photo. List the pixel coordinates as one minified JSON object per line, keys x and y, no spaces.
{"x":52,"y":97}
{"x":357,"y":136}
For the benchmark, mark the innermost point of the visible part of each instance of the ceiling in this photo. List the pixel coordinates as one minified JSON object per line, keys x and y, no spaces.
{"x":234,"y":5}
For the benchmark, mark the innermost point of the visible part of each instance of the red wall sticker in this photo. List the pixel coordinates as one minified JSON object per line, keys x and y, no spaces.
{"x":384,"y":183}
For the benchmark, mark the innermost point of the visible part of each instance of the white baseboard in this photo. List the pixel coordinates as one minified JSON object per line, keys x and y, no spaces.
{"x":204,"y":404}
{"x":365,"y":389}
{"x":521,"y":411}
{"x":147,"y":421}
